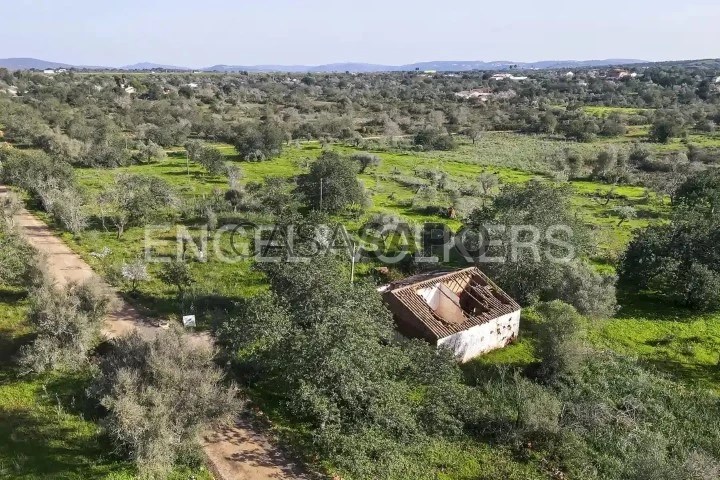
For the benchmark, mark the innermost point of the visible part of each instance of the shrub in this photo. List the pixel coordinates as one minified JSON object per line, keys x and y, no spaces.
{"x":560,"y":340}
{"x":538,"y":409}
{"x":590,"y":292}
{"x":67,"y":325}
{"x":19,"y":265}
{"x":429,"y":139}
{"x":10,"y":206}
{"x":68,"y":210}
{"x":366,"y":160}
{"x":697,"y":287}
{"x":160,"y":395}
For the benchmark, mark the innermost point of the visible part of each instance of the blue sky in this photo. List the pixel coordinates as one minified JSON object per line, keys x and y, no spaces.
{"x":200,"y":33}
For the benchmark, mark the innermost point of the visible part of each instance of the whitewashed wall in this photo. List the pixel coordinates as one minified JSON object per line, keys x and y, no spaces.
{"x":480,"y":339}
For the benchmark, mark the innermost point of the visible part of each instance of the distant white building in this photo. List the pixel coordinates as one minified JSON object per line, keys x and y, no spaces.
{"x":569,"y":75}
{"x":507,"y":76}
{"x":49,"y":71}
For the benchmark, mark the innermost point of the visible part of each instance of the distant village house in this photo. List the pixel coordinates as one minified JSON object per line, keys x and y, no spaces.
{"x":507,"y":76}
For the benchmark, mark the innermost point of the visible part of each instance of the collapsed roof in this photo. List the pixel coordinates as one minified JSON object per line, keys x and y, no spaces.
{"x":439,"y":304}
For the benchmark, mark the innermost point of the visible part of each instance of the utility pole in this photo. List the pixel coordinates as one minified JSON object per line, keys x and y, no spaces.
{"x":352,"y":263}
{"x":321,"y":193}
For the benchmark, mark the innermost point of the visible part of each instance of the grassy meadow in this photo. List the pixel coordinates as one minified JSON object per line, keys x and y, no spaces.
{"x":681,"y":346}
{"x":512,"y":158}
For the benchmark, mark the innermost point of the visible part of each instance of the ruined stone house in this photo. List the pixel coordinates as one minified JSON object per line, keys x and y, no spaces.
{"x":462,"y":310}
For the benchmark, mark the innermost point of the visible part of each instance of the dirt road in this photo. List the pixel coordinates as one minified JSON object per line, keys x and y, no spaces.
{"x":238,"y":453}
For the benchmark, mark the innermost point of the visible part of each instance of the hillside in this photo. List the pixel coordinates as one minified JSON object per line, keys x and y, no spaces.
{"x":30,"y":63}
{"x":440,"y":66}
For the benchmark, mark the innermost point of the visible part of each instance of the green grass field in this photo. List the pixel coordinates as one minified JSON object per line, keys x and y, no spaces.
{"x":501,"y":154}
{"x":496,"y":154}
{"x":670,"y":340}
{"x":601,"y":111}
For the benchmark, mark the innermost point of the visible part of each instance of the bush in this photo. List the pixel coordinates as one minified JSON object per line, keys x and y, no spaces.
{"x":10,"y":206}
{"x":67,"y":325}
{"x":591,"y":293}
{"x":160,"y":396}
{"x":68,"y":210}
{"x":430,"y":139}
{"x":19,"y":265}
{"x":36,"y":172}
{"x":560,"y":340}
{"x":538,"y":409}
{"x":664,"y":129}
{"x":697,"y":287}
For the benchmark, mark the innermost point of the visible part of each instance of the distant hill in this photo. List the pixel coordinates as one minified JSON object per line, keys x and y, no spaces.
{"x":440,"y":66}
{"x":152,"y":66}
{"x":29,"y":63}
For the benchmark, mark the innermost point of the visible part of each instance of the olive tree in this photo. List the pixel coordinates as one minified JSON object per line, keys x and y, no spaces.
{"x":10,"y":206}
{"x":561,"y":340}
{"x":67,"y":324}
{"x":625,"y":213}
{"x":134,"y":200}
{"x":366,"y":160}
{"x":212,"y":159}
{"x":332,"y":184}
{"x":178,"y":275}
{"x":150,"y":152}
{"x":259,"y":141}
{"x":160,"y":395}
{"x":680,"y":258}
{"x":68,"y":210}
{"x":535,"y":234}
{"x":135,"y":272}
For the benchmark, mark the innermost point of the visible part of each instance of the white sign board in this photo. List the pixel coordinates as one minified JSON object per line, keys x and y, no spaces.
{"x":189,"y":320}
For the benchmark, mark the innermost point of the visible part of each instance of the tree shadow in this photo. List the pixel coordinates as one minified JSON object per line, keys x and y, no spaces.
{"x":700,"y":375}
{"x":40,"y":445}
{"x":653,"y":306}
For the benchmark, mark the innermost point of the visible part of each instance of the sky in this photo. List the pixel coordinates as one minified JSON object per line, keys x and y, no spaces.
{"x":200,"y":33}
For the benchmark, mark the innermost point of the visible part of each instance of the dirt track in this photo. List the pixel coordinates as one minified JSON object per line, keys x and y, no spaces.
{"x":241,"y":452}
